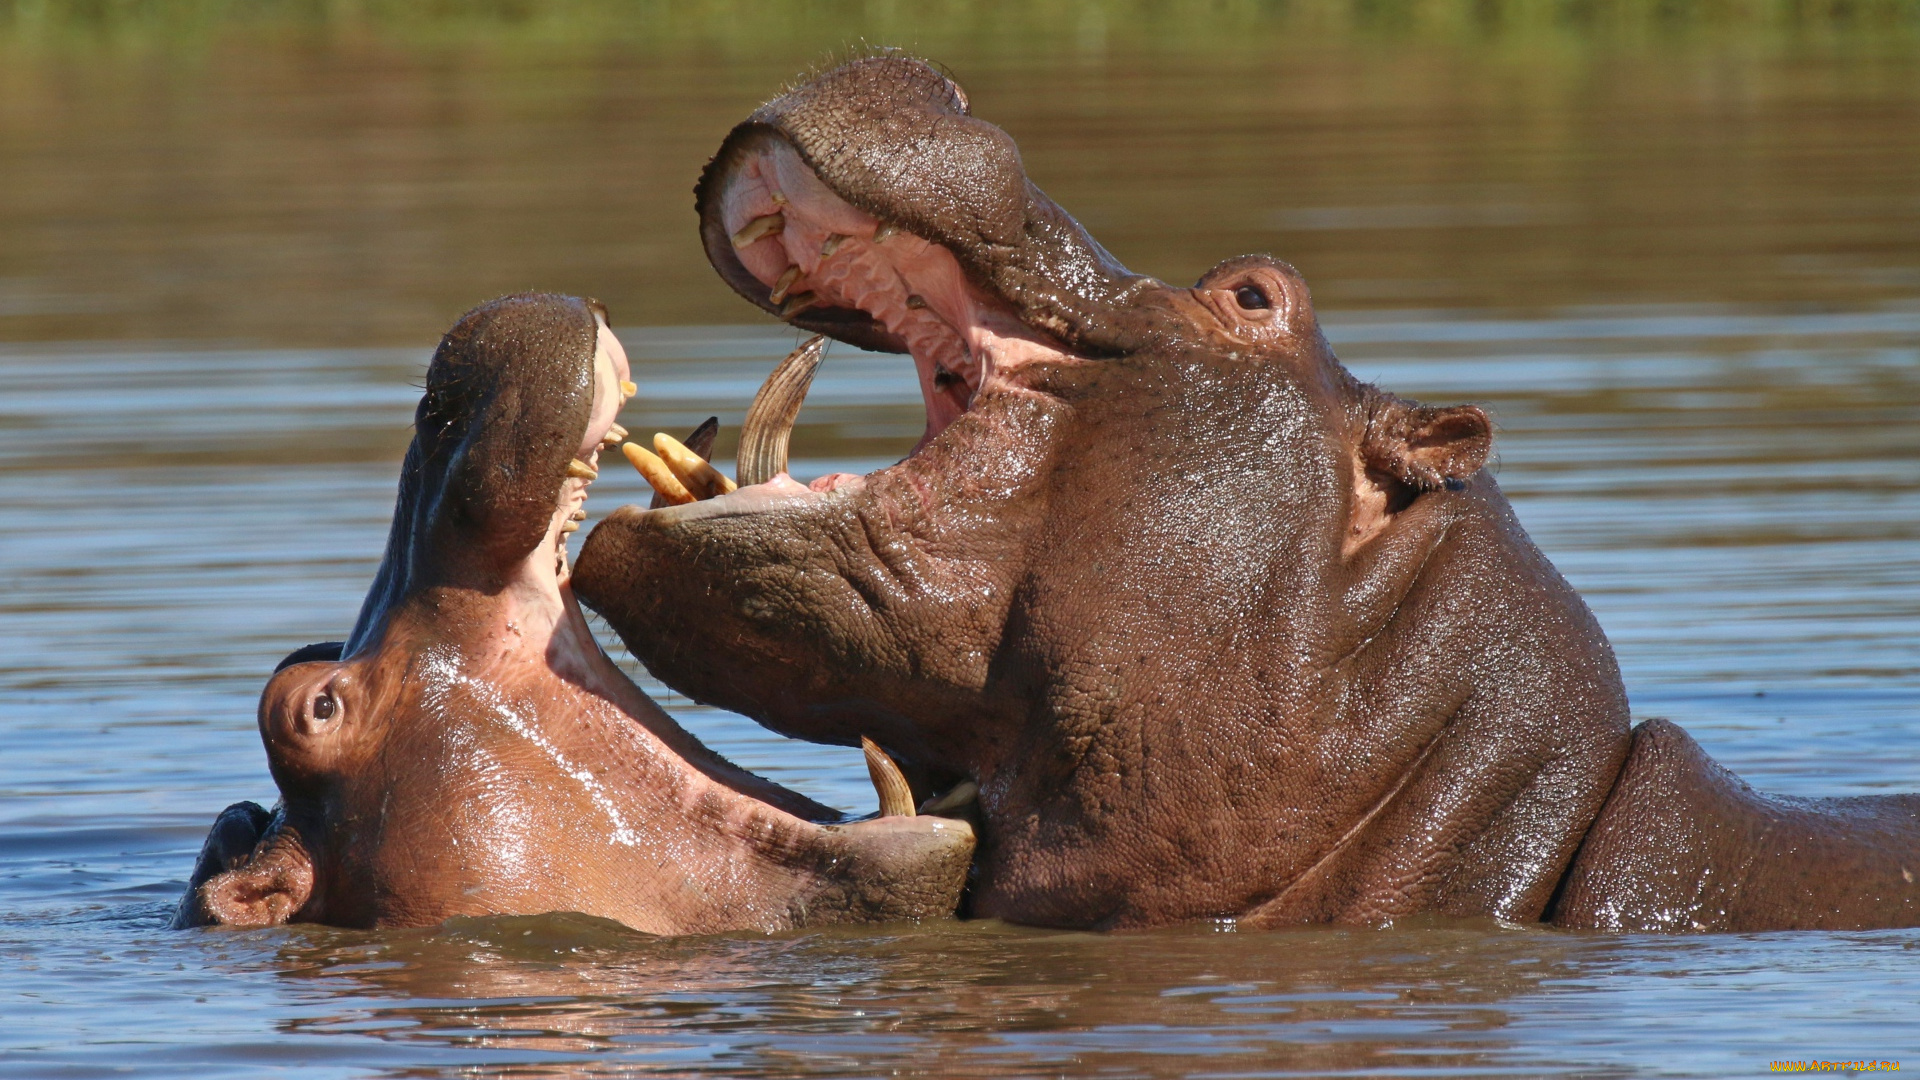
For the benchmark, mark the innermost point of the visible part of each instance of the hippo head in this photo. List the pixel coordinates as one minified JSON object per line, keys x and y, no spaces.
{"x":469,"y":749}
{"x":1160,"y":579}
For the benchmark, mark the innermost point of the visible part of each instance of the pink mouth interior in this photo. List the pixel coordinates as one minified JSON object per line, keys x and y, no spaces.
{"x":960,"y":339}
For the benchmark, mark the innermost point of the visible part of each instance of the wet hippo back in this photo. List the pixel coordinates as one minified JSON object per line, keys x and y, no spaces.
{"x":1683,"y":844}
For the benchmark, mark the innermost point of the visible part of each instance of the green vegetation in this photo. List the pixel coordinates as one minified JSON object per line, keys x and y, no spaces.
{"x":1023,"y":26}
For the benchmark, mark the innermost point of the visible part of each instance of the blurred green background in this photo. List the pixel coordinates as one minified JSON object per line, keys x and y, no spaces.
{"x":361,"y":172}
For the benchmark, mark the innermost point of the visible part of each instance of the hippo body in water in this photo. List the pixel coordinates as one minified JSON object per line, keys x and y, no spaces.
{"x":1215,"y":630}
{"x":470,"y":750}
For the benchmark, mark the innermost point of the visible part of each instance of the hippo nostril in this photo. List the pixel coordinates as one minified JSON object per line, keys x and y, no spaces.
{"x":1253,"y":298}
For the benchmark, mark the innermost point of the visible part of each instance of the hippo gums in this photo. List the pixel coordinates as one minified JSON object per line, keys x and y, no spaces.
{"x":469,"y":749}
{"x":1214,"y":629}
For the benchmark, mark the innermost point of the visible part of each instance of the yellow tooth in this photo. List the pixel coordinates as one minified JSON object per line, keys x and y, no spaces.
{"x":578,"y":515}
{"x":832,"y":244}
{"x":916,"y":301}
{"x":569,"y":527}
{"x":580,"y":470}
{"x":657,"y":474}
{"x":700,"y":477}
{"x":896,"y":798}
{"x":885,"y":230}
{"x":797,"y":303}
{"x":615,"y":435}
{"x":786,"y":281}
{"x":627,"y":387}
{"x":759,"y":228}
{"x":779,"y":198}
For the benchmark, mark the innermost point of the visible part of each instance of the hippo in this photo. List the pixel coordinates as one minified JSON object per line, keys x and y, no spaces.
{"x":469,"y":749}
{"x":1205,"y":627}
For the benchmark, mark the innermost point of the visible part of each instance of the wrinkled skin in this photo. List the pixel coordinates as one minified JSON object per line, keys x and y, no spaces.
{"x":470,"y":750}
{"x":1218,"y":630}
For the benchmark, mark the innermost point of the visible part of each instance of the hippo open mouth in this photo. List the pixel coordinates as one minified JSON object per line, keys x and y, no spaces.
{"x":470,"y":749}
{"x":921,"y":235}
{"x":821,"y":261}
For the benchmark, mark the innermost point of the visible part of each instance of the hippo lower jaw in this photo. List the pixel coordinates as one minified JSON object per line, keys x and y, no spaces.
{"x":471,"y":750}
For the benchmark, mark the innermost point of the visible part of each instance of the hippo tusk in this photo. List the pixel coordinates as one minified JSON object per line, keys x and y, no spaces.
{"x":700,"y":478}
{"x":580,"y":470}
{"x":758,"y":229}
{"x":666,"y":485}
{"x":784,"y":285}
{"x":797,"y":303}
{"x":896,"y":798}
{"x":769,"y":424}
{"x":628,"y":388}
{"x":615,"y":435}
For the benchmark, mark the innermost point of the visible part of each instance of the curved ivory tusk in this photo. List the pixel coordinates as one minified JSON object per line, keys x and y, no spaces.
{"x":769,"y":422}
{"x":896,"y":798}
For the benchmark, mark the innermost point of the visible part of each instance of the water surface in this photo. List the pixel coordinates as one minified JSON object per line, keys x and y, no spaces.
{"x":1733,"y":491}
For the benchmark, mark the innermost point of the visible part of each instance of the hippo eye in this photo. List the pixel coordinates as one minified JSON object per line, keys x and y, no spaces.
{"x":324,"y":707}
{"x":1252,"y":297}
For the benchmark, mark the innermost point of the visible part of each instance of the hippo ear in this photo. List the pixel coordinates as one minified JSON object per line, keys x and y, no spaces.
{"x":267,"y":890}
{"x":1426,"y":446}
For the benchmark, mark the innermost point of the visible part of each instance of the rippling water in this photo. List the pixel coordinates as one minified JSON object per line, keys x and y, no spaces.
{"x":1734,"y":491}
{"x":1678,"y":259}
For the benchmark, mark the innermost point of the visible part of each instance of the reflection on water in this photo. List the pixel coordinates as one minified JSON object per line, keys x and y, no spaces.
{"x":355,"y":181}
{"x":1678,"y":258}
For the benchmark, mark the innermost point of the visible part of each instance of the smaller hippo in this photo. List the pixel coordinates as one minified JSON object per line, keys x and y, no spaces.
{"x":470,"y":749}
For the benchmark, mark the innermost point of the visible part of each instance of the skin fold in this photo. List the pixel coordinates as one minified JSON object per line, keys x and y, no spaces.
{"x":470,"y":750}
{"x":1217,"y":630}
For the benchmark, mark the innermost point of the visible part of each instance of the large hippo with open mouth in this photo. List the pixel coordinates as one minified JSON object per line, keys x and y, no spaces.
{"x":1214,"y":629}
{"x":470,"y":750}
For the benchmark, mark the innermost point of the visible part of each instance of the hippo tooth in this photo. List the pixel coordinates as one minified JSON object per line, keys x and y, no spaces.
{"x":769,"y":423}
{"x":627,"y":388}
{"x":759,"y":228}
{"x":615,"y":435}
{"x":580,"y":470}
{"x":916,"y":301}
{"x":701,"y":478}
{"x":896,"y":798}
{"x":578,"y":515}
{"x":885,"y":230}
{"x":796,"y":304}
{"x":832,"y":244}
{"x":786,"y":281}
{"x":656,"y":473}
{"x":966,"y":791}
{"x":569,"y":527}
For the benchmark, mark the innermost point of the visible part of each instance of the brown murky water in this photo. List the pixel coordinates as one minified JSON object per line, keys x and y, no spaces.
{"x":1678,"y":256}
